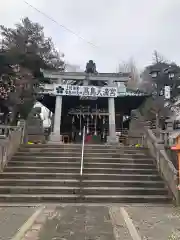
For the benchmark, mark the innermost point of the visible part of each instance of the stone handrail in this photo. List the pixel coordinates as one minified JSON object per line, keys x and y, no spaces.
{"x":164,"y":165}
{"x":163,"y":135}
{"x":9,"y":144}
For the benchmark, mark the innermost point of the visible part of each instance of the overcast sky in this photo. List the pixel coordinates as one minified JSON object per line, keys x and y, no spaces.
{"x":119,"y":29}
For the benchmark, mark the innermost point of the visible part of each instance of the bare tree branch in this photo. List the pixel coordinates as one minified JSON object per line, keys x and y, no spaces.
{"x":130,"y":67}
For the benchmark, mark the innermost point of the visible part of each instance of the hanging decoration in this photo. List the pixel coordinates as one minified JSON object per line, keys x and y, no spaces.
{"x":87,"y":125}
{"x":104,"y":120}
{"x":95,"y":125}
{"x":125,"y":118}
{"x":73,"y":133}
{"x":80,"y":124}
{"x":88,"y":122}
{"x":73,"y":120}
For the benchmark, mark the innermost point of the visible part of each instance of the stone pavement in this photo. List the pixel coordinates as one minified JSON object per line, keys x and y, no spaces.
{"x":78,"y":223}
{"x":161,"y":223}
{"x":108,"y":223}
{"x":11,"y":219}
{"x":93,"y":222}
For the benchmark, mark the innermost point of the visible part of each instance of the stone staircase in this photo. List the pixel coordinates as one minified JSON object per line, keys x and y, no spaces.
{"x":51,"y":173}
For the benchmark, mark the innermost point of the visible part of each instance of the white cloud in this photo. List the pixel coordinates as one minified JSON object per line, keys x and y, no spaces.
{"x":120,"y":28}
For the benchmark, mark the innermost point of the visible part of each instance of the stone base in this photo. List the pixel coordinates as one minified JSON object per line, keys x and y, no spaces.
{"x":112,"y":140}
{"x":55,"y":138}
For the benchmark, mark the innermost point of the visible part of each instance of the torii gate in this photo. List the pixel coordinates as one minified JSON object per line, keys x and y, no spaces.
{"x":59,"y":78}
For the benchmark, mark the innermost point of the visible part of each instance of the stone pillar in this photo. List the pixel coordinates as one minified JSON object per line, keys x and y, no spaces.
{"x":112,"y":125}
{"x":112,"y":122}
{"x":169,"y":129}
{"x":56,"y":134}
{"x":22,"y":123}
{"x":169,"y":125}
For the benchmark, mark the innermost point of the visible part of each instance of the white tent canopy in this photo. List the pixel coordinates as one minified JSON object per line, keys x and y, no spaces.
{"x":45,"y":113}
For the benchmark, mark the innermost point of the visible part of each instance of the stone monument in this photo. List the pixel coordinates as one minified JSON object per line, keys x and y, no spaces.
{"x":34,"y":127}
{"x":91,"y":67}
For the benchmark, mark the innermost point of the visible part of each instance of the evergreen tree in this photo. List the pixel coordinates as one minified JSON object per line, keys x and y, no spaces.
{"x":25,"y":48}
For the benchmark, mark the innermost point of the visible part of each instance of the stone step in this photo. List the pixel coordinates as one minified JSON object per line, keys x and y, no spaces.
{"x":27,"y":146}
{"x":86,"y":164}
{"x":44,"y":158}
{"x":113,"y":147}
{"x":73,"y":198}
{"x":75,"y":183}
{"x":57,"y":154}
{"x":39,"y":182}
{"x":46,"y":150}
{"x":34,"y":175}
{"x":122,"y":183}
{"x":114,"y":154}
{"x":111,"y":174}
{"x":39,"y":198}
{"x":88,"y":176}
{"x":87,"y":146}
{"x":86,"y":150}
{"x":78,"y":154}
{"x":70,"y":169}
{"x":127,"y":198}
{"x":122,"y":176}
{"x":91,"y":159}
{"x":82,"y":191}
{"x":39,"y":190}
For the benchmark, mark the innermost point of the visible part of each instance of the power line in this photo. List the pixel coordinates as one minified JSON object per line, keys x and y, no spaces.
{"x":65,"y":28}
{"x":60,"y":25}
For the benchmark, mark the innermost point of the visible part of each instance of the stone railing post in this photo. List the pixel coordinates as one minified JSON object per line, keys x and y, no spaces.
{"x":164,"y":164}
{"x":159,"y":146}
{"x":148,"y":124}
{"x":9,"y":144}
{"x":169,"y":125}
{"x":169,"y":129}
{"x":162,"y":136}
{"x":22,"y":125}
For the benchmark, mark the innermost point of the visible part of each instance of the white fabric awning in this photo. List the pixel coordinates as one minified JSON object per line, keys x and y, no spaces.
{"x":174,"y":134}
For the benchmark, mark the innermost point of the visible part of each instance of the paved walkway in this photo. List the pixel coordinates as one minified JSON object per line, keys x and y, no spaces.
{"x":90,"y":222}
{"x":11,"y":219}
{"x":79,"y":223}
{"x":159,"y":223}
